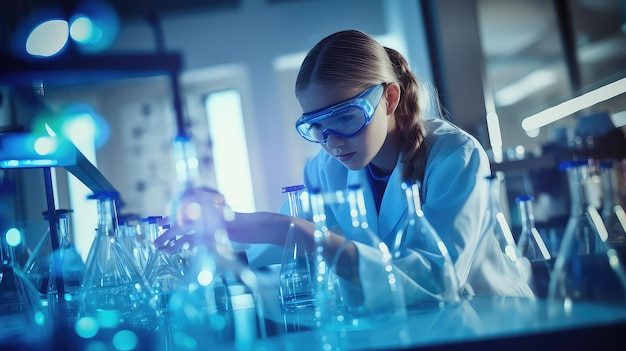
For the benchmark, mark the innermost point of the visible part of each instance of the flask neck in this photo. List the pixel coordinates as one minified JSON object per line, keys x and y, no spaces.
{"x":495,"y":193}
{"x":107,"y":217}
{"x":609,"y":186}
{"x":576,"y":177}
{"x":294,"y":203}
{"x":412,"y":193}
{"x":526,"y":214}
{"x":63,"y":229}
{"x":186,"y":162}
{"x":358,"y":211}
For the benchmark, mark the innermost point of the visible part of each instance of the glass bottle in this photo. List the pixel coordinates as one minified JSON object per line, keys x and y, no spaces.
{"x":218,"y":304}
{"x":296,"y":284}
{"x":612,"y":210}
{"x":24,"y":321}
{"x":587,"y":267}
{"x":530,"y":242}
{"x":434,"y":287}
{"x":114,"y":292}
{"x":341,"y":302}
{"x":72,"y":271}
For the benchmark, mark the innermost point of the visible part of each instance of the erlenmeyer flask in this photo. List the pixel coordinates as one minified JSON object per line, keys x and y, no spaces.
{"x":530,"y":243}
{"x":434,"y":283}
{"x":114,"y":292}
{"x":296,"y":280}
{"x":352,"y":294}
{"x":587,"y":267}
{"x":218,"y":304}
{"x":72,"y":272}
{"x":580,"y":226}
{"x":163,"y":273}
{"x":38,"y":268}
{"x":128,"y":228}
{"x":24,"y":322}
{"x":502,"y":230}
{"x":612,"y":210}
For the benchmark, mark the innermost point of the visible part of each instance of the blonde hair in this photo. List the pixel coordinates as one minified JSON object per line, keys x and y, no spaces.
{"x":353,"y":59}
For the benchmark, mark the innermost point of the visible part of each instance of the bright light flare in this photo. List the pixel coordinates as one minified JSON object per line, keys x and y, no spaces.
{"x":48,"y":38}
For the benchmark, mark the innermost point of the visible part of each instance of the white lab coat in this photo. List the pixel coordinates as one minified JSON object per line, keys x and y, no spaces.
{"x":454,"y":197}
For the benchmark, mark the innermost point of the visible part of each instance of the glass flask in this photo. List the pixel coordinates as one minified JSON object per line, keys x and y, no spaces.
{"x":580,"y":226}
{"x":38,"y":268}
{"x":296,"y":284}
{"x":530,"y":243}
{"x":502,"y":230}
{"x":587,"y":267}
{"x":352,"y":297}
{"x":162,"y":271}
{"x":218,"y":305}
{"x":435,"y":283}
{"x":612,"y":210}
{"x":24,"y":321}
{"x":72,"y":273}
{"x":128,"y":227}
{"x":114,"y":292}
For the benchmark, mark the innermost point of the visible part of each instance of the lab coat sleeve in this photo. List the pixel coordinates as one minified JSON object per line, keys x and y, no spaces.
{"x":455,"y":200}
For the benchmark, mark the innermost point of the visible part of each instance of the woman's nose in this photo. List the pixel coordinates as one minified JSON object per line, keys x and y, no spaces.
{"x":334,"y":141}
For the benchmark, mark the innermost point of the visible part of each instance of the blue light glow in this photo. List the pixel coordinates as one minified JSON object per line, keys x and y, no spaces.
{"x":125,"y":340}
{"x":81,"y":29}
{"x":14,"y":237}
{"x":48,"y":38}
{"x":45,"y":146}
{"x":86,"y":327}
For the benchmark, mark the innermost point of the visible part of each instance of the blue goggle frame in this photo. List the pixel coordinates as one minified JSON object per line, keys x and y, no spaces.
{"x":356,"y":113}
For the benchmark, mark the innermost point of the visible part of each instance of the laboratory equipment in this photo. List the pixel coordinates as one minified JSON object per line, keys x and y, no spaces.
{"x":502,"y":230}
{"x":612,"y":210}
{"x":587,"y":267}
{"x":72,"y":272}
{"x":24,"y":321}
{"x":352,"y":295}
{"x":217,"y":304}
{"x":434,"y":283}
{"x":296,"y":288}
{"x":530,"y":242}
{"x":114,"y":291}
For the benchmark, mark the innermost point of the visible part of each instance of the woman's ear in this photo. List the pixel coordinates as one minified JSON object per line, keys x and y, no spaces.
{"x":392,"y":96}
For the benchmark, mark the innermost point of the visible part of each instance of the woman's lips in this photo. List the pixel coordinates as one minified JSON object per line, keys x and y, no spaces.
{"x":345,"y":157}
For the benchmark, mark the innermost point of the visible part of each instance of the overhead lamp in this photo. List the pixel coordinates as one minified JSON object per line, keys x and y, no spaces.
{"x":574,"y":105}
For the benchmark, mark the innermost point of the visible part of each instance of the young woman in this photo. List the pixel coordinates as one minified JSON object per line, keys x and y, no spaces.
{"x":365,"y":108}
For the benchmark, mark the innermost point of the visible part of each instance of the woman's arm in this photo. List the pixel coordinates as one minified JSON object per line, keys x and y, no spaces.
{"x":272,"y":228}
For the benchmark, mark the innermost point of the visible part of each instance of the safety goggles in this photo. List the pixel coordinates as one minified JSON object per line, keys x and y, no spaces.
{"x":345,"y":119}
